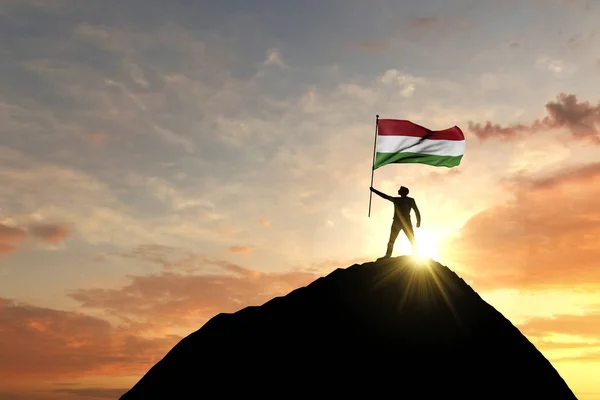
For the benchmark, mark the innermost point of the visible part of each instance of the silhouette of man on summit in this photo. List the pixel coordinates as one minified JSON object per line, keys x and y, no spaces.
{"x":401,"y":221}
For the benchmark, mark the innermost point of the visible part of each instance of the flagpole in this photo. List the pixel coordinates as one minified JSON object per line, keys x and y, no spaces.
{"x":373,"y":164}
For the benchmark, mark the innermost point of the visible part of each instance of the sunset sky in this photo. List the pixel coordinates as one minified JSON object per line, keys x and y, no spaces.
{"x":164,"y":161}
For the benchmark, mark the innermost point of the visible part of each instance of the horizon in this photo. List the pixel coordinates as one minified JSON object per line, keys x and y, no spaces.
{"x":163,"y":163}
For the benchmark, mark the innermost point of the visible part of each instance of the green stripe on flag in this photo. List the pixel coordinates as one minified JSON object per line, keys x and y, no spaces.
{"x":382,"y":159}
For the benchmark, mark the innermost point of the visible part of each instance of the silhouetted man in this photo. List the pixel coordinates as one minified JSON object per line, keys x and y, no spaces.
{"x":402,"y":207}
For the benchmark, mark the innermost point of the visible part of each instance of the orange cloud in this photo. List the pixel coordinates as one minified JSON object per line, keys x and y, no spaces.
{"x":546,"y":236}
{"x":51,"y":233}
{"x":10,"y":233}
{"x":65,"y":391}
{"x":167,"y":257}
{"x":92,"y":393}
{"x":41,"y":343}
{"x":6,"y":248}
{"x":240,"y":249}
{"x":585,"y":326}
{"x":97,"y":138}
{"x":10,"y":238}
{"x":46,"y":344}
{"x":190,"y":299}
{"x":264,"y":222}
{"x":581,"y":119}
{"x":326,"y":266}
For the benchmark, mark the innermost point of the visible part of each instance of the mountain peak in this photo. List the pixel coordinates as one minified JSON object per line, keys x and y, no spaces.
{"x":397,"y":325}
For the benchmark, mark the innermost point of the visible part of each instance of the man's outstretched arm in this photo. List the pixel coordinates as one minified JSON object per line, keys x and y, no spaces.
{"x":417,"y":213}
{"x":377,"y":192}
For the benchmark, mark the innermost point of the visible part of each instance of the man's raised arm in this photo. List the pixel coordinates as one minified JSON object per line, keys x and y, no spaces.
{"x":377,"y":192}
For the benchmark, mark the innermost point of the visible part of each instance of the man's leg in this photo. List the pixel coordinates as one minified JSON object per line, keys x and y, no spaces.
{"x":410,"y":234}
{"x":393,"y":235}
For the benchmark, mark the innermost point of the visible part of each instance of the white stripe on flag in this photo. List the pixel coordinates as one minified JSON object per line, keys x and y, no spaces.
{"x":412,"y":144}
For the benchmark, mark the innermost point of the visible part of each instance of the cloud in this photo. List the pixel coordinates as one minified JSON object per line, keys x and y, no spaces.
{"x":170,"y":136}
{"x":85,"y":29}
{"x":115,"y":79}
{"x":264,"y":222}
{"x":36,"y":4}
{"x":582,"y":40}
{"x":106,"y":202}
{"x":165,"y":191}
{"x":237,"y":249}
{"x":168,"y":258}
{"x":580,"y":119}
{"x":24,"y":392}
{"x":557,"y":67}
{"x":305,"y":164}
{"x":436,"y":27}
{"x":545,"y":236}
{"x":424,"y":22}
{"x":6,"y":248}
{"x":591,"y":356}
{"x":12,"y":237}
{"x":164,"y":101}
{"x":42,"y":343}
{"x":371,"y":47}
{"x":9,"y":233}
{"x":51,"y":233}
{"x":564,"y":179}
{"x":566,"y":337}
{"x":17,"y":396}
{"x":188,"y":291}
{"x":326,"y":266}
{"x":137,"y":75}
{"x":93,"y":393}
{"x":149,"y":315}
{"x":273,"y":57}
{"x":549,"y":345}
{"x":167,"y":93}
{"x":189,"y":299}
{"x":586,"y":326}
{"x":97,"y":138}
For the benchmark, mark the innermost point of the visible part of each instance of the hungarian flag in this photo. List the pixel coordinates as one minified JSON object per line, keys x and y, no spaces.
{"x":401,"y":141}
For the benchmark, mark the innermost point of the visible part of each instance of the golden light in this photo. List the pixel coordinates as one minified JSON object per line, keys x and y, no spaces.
{"x":428,"y":240}
{"x":427,"y":244}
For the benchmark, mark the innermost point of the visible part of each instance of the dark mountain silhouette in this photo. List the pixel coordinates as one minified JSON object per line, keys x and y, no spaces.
{"x":392,"y":328}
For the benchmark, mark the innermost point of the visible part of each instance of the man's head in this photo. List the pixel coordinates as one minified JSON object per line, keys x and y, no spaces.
{"x":403,"y":191}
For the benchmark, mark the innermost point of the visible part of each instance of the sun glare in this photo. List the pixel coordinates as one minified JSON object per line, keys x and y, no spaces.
{"x":427,"y":245}
{"x":428,"y":242}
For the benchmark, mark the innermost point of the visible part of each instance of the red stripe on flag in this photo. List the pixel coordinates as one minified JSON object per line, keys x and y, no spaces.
{"x":401,"y":127}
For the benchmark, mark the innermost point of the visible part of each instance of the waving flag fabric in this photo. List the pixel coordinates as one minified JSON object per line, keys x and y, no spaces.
{"x":402,"y":141}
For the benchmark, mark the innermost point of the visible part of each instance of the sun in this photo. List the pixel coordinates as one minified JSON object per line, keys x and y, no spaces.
{"x":427,"y":244}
